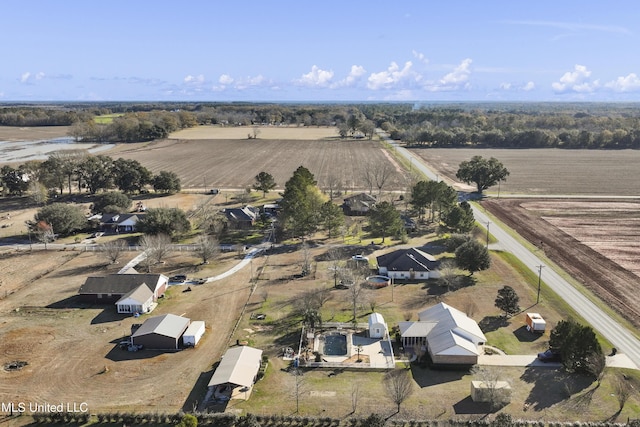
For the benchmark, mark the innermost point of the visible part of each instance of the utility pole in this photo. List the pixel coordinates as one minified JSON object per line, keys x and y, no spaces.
{"x":540,"y":267}
{"x":488,"y":223}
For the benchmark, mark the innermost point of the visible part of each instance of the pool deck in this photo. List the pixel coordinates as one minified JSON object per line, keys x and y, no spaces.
{"x":379,"y":352}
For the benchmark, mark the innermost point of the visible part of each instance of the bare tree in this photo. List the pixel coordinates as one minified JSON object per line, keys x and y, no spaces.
{"x":399,"y":386}
{"x":355,"y":396}
{"x":306,"y":259}
{"x":381,"y":175}
{"x":335,"y":258}
{"x":595,"y":364}
{"x":622,"y":389}
{"x":298,"y":388}
{"x":207,"y":248}
{"x":448,"y":276}
{"x":112,"y":250}
{"x":495,"y":396}
{"x":309,"y":304}
{"x":355,"y":296}
{"x":470,"y":307}
{"x":368,"y":176}
{"x":334,"y":186}
{"x":157,"y":247}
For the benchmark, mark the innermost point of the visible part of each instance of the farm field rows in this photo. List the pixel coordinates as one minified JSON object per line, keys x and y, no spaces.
{"x":549,"y":171}
{"x":233,"y":164}
{"x":596,"y":241}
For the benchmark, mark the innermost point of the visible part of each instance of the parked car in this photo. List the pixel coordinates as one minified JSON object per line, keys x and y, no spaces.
{"x":549,"y":356}
{"x":178,"y":278}
{"x":359,"y":258}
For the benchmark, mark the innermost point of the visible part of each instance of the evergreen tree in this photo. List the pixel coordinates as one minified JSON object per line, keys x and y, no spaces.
{"x":576,"y":344}
{"x":508,"y":300}
{"x":473,"y":256}
{"x":264,"y":182}
{"x":385,"y":220}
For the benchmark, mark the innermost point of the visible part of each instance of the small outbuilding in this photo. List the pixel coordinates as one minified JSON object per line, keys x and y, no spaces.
{"x":490,"y":391}
{"x":535,"y":323}
{"x":237,"y":372}
{"x":377,"y":326}
{"x":161,"y":332}
{"x":194,"y":332}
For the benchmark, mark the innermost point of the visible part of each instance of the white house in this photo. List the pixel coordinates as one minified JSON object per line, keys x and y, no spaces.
{"x":138,"y":300}
{"x":451,"y":337}
{"x":377,"y":326}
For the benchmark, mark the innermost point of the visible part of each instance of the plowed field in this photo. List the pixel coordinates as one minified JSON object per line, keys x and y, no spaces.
{"x":233,"y":164}
{"x":596,"y":241}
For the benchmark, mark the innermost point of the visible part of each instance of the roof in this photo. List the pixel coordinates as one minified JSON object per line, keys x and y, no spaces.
{"x":140,"y":294}
{"x":120,"y":284}
{"x":408,"y":259}
{"x":194,"y":327}
{"x":415,"y":329}
{"x":247,"y":213}
{"x":452,"y":329}
{"x":376,"y":318}
{"x":168,"y":325}
{"x":238,"y":366}
{"x":121,"y":218}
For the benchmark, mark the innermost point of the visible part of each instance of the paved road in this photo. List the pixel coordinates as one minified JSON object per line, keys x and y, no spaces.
{"x":617,"y":334}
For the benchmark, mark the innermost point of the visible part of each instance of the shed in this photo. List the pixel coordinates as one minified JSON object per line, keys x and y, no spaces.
{"x":488,"y":391}
{"x":377,"y":326}
{"x":161,"y":332}
{"x":194,"y":332}
{"x":238,"y":368}
{"x":535,"y":323}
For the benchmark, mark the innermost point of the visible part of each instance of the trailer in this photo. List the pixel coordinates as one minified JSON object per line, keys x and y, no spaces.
{"x":194,"y":332}
{"x":535,"y":323}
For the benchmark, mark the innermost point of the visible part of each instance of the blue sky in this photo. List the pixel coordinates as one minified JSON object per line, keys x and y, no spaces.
{"x":330,"y":50}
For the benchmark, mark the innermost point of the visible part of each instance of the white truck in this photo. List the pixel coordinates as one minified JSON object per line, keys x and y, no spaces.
{"x":535,"y":323}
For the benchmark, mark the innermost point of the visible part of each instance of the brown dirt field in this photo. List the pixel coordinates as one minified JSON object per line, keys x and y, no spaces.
{"x":12,"y":133}
{"x":595,"y":241}
{"x":264,"y":132}
{"x":68,"y":345}
{"x":233,"y":164}
{"x":549,"y":171}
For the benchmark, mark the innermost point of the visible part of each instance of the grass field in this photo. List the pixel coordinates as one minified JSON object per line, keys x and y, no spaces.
{"x":105,"y":119}
{"x":550,"y":171}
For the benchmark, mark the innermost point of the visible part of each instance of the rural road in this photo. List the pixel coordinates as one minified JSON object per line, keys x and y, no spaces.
{"x":615,"y":333}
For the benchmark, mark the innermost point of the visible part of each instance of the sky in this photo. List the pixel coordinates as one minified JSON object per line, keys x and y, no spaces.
{"x":329,"y":50}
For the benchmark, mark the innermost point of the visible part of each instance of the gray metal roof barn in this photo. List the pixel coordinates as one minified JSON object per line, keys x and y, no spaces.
{"x":161,"y":332}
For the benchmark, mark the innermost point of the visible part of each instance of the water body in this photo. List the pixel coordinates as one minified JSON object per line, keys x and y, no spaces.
{"x":22,"y":151}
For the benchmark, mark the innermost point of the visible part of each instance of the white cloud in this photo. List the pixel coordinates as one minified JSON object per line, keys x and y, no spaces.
{"x":459,"y":75}
{"x":629,"y":83}
{"x":225,"y":79}
{"x":357,"y":71}
{"x":24,"y":78}
{"x":576,"y":81}
{"x":392,"y":77}
{"x":28,"y":77}
{"x":420,"y":57}
{"x":316,"y":77}
{"x":455,"y":80}
{"x":196,"y":80}
{"x":506,"y":86}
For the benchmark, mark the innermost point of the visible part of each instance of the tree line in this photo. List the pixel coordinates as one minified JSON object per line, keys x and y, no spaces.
{"x":77,"y":169}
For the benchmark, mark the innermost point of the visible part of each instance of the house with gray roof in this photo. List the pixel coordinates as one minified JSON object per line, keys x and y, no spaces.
{"x":408,"y":264}
{"x":243,"y":217}
{"x":161,"y":332}
{"x":358,"y":204}
{"x":447,"y":334}
{"x":111,"y":288}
